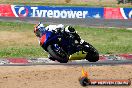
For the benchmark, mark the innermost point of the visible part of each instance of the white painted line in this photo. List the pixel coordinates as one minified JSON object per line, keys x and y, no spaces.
{"x":129,"y":29}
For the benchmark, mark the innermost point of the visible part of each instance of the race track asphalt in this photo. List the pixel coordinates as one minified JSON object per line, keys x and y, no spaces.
{"x":77,"y":63}
{"x":118,"y":23}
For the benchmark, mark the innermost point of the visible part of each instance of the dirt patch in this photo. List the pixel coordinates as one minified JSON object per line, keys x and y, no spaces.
{"x":59,"y":76}
{"x":10,"y":38}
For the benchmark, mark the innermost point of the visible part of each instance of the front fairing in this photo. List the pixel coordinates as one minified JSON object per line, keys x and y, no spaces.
{"x":49,"y":38}
{"x":45,"y":37}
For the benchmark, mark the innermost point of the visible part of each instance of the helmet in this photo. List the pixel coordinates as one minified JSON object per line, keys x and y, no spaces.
{"x":70,"y":29}
{"x":39,"y":29}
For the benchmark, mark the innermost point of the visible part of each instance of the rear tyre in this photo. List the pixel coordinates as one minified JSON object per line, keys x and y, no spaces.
{"x":60,"y":55}
{"x":92,"y":56}
{"x":92,"y":53}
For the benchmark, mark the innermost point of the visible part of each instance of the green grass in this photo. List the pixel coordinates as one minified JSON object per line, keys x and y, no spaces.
{"x":18,"y":40}
{"x":29,"y":52}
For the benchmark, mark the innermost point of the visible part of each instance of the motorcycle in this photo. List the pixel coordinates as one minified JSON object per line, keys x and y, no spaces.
{"x":63,"y":46}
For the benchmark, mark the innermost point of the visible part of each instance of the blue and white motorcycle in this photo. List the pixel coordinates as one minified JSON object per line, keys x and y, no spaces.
{"x":63,"y":46}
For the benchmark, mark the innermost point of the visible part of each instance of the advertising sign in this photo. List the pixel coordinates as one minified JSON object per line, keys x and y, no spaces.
{"x":65,"y":12}
{"x":118,"y":13}
{"x":6,"y":11}
{"x":50,"y":11}
{"x":57,"y":12}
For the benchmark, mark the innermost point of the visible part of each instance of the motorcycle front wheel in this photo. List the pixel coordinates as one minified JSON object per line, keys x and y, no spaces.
{"x":59,"y":54}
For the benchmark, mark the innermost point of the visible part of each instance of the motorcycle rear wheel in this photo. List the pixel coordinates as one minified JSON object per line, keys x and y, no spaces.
{"x":62,"y":58}
{"x":92,"y":53}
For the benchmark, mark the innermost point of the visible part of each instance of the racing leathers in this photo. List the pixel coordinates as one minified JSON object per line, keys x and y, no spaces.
{"x":40,"y":31}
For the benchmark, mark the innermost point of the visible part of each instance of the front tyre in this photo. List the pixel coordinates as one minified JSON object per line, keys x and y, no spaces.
{"x":59,"y":54}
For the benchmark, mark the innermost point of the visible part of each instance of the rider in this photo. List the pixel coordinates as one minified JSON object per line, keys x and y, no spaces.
{"x":40,"y":30}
